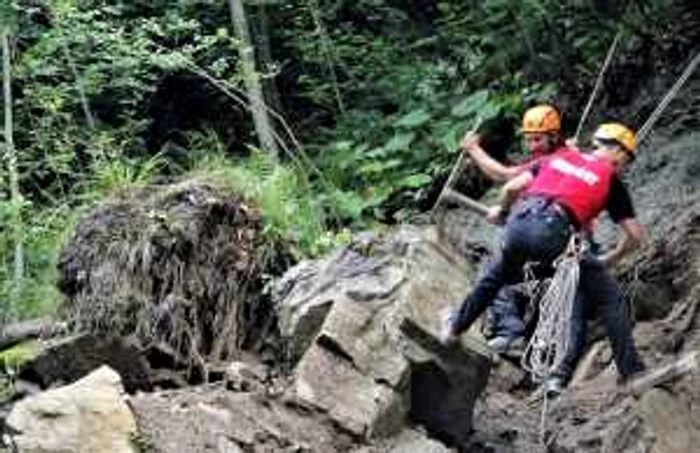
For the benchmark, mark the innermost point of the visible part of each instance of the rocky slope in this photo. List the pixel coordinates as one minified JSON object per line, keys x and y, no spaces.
{"x":663,"y":283}
{"x":360,"y":370}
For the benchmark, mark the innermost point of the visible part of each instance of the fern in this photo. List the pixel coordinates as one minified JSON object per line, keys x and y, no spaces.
{"x":122,"y":173}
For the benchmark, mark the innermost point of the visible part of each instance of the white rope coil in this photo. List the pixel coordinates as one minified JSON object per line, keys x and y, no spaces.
{"x":548,"y":346}
{"x":549,"y":343}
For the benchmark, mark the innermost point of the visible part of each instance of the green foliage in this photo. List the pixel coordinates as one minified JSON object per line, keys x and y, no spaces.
{"x":379,"y":93}
{"x":480,"y":61}
{"x":292,"y":214}
{"x":141,"y":442}
{"x":45,"y":230}
{"x":471,"y":105}
{"x":98,"y":58}
{"x":124,"y":172}
{"x":8,"y":14}
{"x":16,"y":356}
{"x":417,"y":146}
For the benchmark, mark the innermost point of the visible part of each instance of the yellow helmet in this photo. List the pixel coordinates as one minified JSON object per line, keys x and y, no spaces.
{"x":541,"y":118}
{"x":620,"y":133}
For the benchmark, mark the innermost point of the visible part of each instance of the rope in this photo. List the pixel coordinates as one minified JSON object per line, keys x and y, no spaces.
{"x":548,"y":346}
{"x":543,"y":419}
{"x":598,"y":84}
{"x":646,"y":128}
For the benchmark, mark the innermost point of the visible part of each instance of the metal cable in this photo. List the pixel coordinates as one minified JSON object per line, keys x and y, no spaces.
{"x":598,"y":84}
{"x":646,"y":128}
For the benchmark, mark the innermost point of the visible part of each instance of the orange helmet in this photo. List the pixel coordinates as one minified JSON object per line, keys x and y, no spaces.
{"x":619,"y":133}
{"x":541,"y":118}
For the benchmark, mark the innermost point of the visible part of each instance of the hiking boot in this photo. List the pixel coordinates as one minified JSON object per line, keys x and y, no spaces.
{"x":553,"y":386}
{"x":512,"y":347}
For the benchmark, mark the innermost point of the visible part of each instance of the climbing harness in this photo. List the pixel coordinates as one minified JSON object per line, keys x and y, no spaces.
{"x":548,"y":346}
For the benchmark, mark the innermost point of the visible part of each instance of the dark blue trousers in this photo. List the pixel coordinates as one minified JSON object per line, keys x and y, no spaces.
{"x":596,"y":286}
{"x":539,"y":231}
{"x":506,"y":315}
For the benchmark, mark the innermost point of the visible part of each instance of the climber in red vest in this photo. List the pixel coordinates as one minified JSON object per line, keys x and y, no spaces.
{"x":550,"y":201}
{"x":541,"y":128}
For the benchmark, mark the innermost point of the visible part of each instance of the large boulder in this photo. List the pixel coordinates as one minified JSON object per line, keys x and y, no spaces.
{"x":343,"y":318}
{"x":88,"y":416}
{"x":364,"y":407}
{"x":405,"y":273}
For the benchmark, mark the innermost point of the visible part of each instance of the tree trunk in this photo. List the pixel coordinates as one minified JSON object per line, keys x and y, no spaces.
{"x":327,"y":49}
{"x":15,"y":196}
{"x":89,"y":119}
{"x":261,"y":35}
{"x":15,"y":333}
{"x":256,"y":99}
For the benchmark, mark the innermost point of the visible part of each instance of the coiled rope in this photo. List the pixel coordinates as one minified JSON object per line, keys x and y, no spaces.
{"x":548,"y":346}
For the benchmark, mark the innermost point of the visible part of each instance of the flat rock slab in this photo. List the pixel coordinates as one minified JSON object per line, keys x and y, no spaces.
{"x":211,"y":419}
{"x":356,"y":332}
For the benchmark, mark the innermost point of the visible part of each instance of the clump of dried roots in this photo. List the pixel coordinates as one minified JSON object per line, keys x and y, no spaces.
{"x":175,"y":266}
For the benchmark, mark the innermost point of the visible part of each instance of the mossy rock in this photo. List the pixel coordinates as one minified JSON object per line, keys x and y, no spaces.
{"x":16,"y":356}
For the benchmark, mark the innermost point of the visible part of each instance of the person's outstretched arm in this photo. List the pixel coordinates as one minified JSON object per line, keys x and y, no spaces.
{"x":487,"y":164}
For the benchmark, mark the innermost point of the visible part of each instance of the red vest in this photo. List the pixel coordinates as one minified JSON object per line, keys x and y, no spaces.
{"x":579,"y":182}
{"x":532,"y":159}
